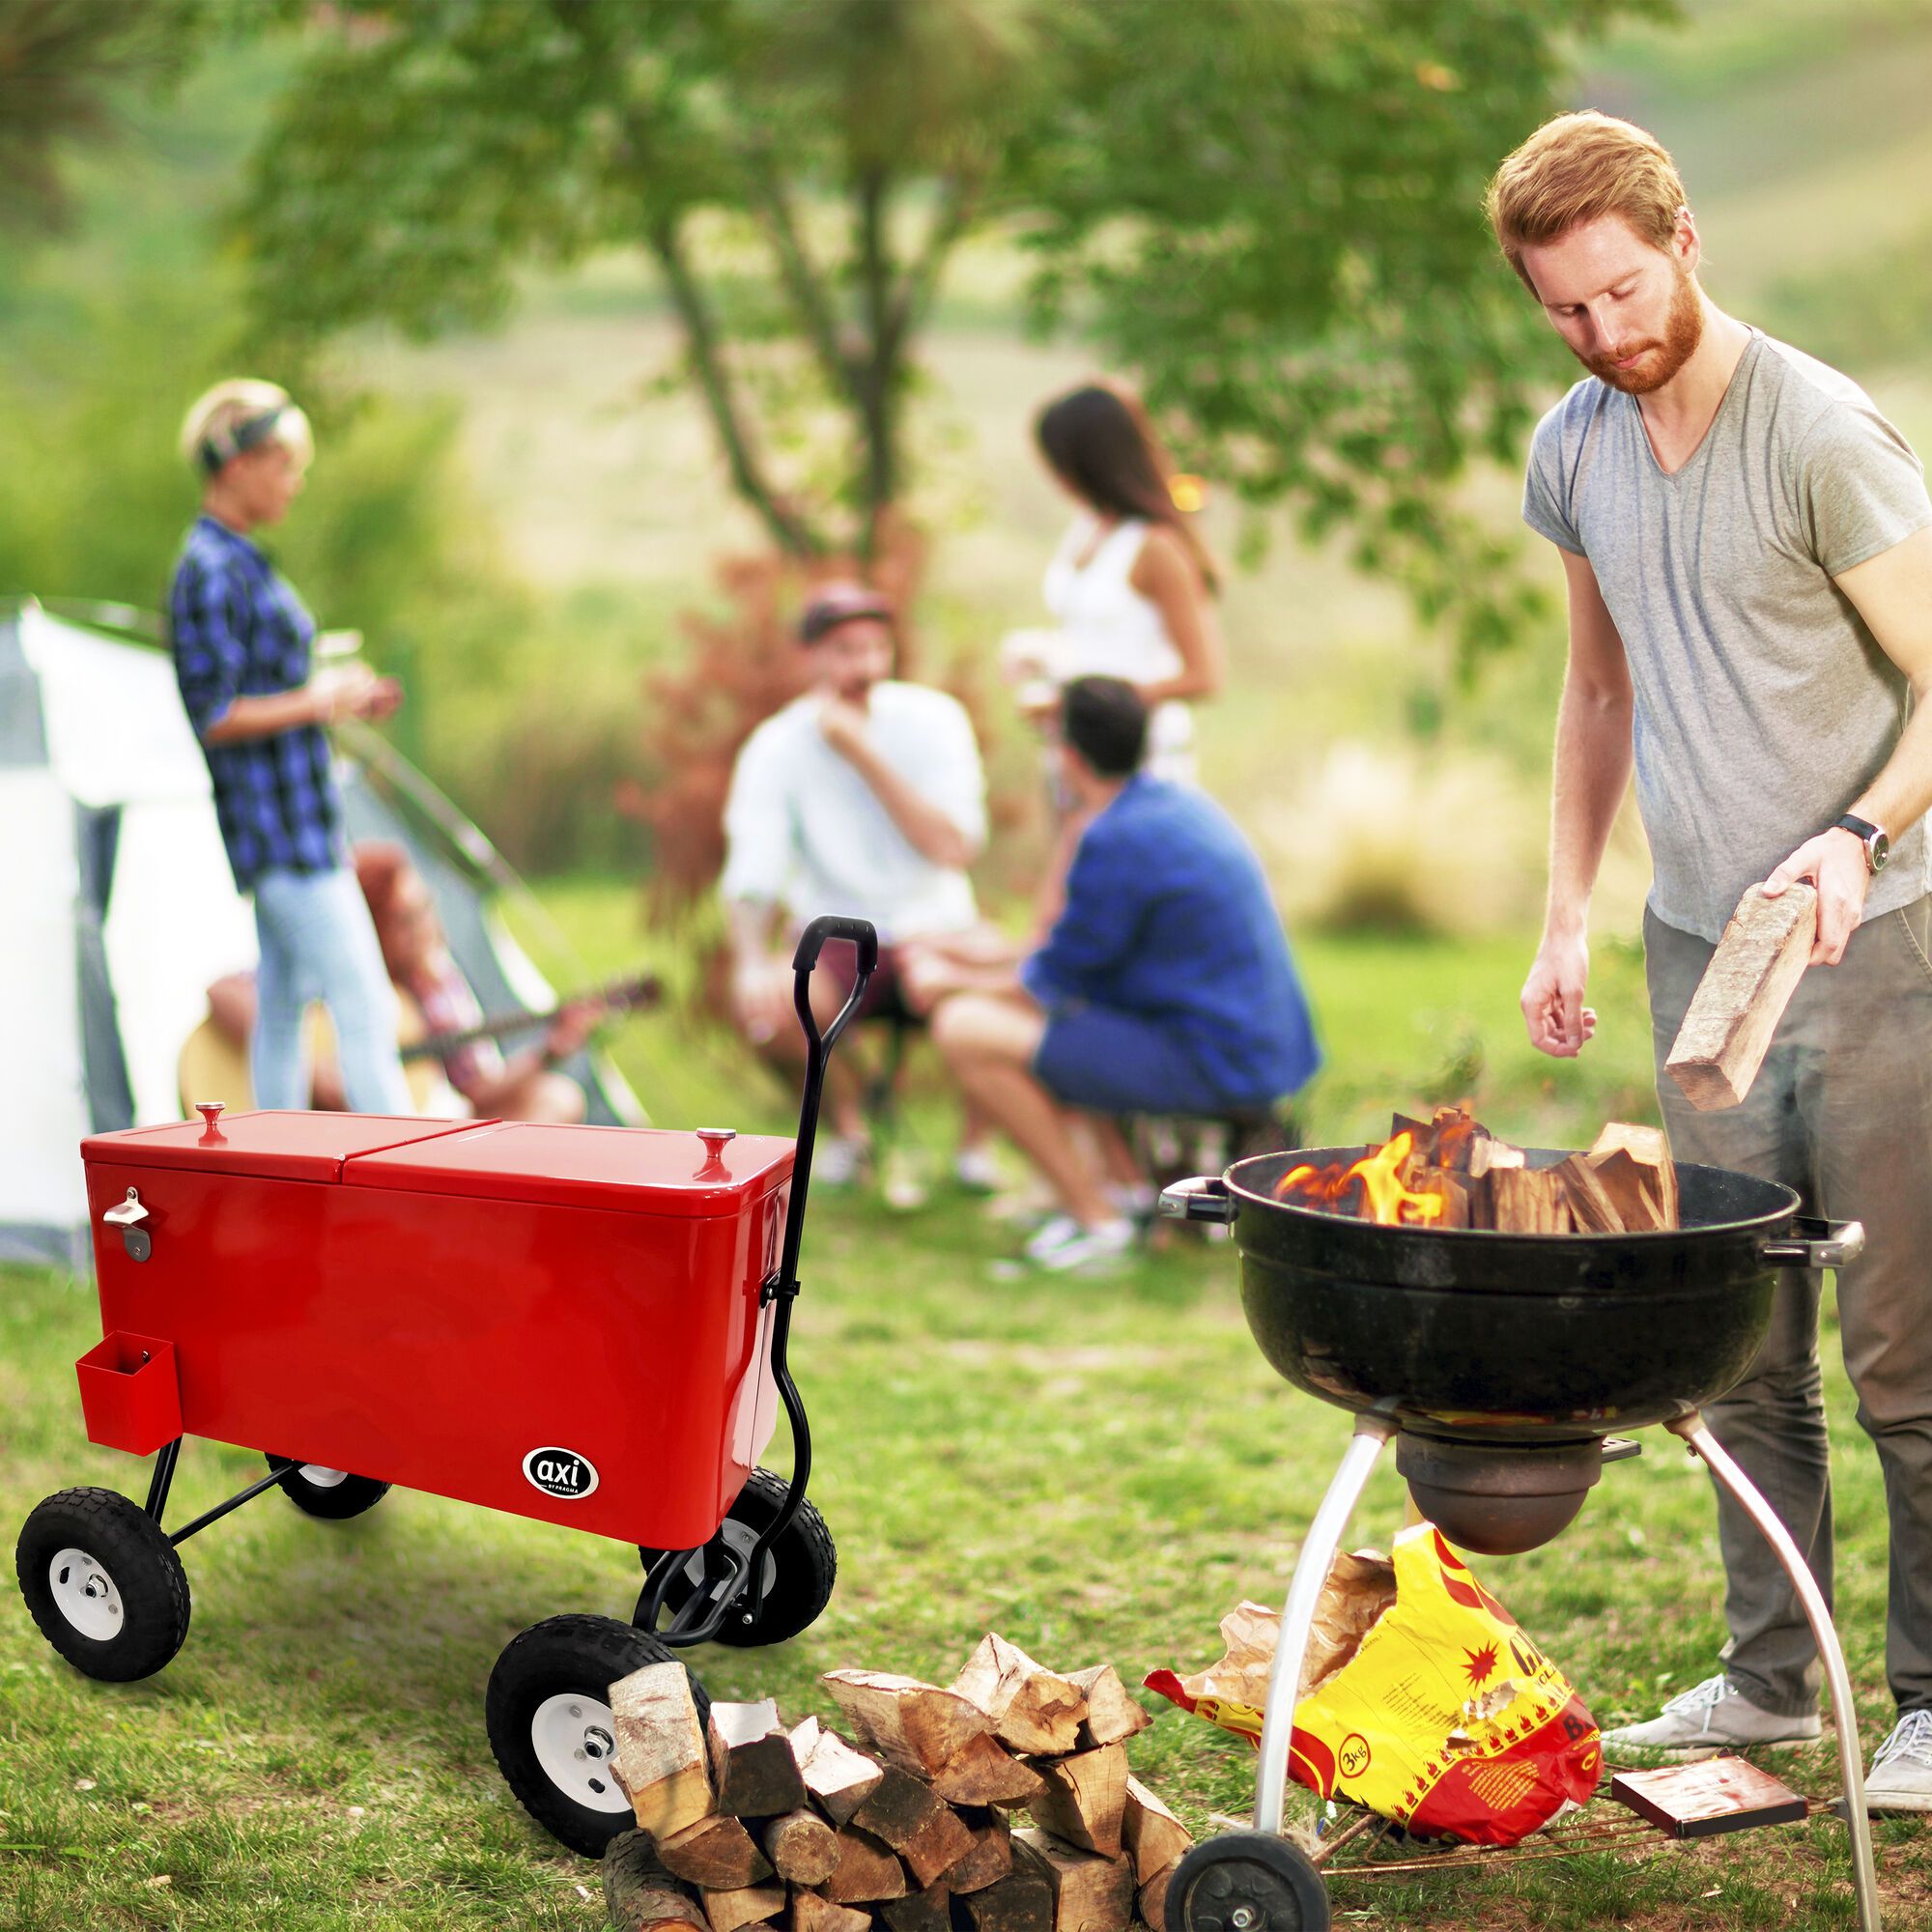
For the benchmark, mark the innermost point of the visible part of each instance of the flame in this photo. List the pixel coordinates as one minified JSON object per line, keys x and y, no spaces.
{"x":1371,"y":1190}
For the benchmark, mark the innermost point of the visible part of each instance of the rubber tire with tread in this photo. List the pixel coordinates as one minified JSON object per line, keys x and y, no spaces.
{"x":1255,"y":1869}
{"x":134,"y":1551}
{"x":349,"y":1497}
{"x":805,"y":1566}
{"x":557,"y":1658}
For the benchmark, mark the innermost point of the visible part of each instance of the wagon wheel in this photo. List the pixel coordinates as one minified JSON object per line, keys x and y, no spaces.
{"x":548,"y":1717}
{"x":800,"y":1567}
{"x":331,"y":1494}
{"x":104,"y":1583}
{"x":1246,"y":1882}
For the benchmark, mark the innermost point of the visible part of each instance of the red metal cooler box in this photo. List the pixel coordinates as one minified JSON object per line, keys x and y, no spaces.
{"x":561,"y":1321}
{"x":587,"y":1326}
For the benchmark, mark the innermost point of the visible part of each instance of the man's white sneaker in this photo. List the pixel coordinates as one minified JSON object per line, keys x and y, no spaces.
{"x":976,"y":1170}
{"x":1710,"y":1719}
{"x":840,"y":1159}
{"x":1078,"y":1250}
{"x":1900,"y":1777}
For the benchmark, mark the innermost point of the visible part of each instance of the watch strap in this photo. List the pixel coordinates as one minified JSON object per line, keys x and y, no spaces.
{"x":1871,"y":836}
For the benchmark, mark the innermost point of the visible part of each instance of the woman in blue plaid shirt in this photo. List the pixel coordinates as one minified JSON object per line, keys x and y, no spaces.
{"x":241,"y":642}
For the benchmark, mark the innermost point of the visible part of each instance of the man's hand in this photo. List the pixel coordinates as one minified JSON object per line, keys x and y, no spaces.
{"x":572,"y":1028}
{"x":1834,"y":862}
{"x":1560,"y":1023}
{"x":842,"y":724}
{"x":761,"y":998}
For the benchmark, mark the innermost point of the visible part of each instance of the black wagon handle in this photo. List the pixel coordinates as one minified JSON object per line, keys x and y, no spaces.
{"x":1817,"y":1245}
{"x":1204,"y":1198}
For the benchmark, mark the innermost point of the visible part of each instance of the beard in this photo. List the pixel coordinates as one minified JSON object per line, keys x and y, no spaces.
{"x":1659,"y":359}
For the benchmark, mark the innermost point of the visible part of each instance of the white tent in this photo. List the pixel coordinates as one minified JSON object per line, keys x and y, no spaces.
{"x":118,"y":910}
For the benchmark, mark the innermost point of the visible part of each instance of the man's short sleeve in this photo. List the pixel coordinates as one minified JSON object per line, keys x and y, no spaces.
{"x":1546,"y":495}
{"x":953,"y":777}
{"x":210,"y":657}
{"x":1861,"y":489}
{"x":757,"y":821}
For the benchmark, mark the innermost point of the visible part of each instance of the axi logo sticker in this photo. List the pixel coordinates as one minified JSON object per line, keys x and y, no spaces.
{"x":560,"y":1472}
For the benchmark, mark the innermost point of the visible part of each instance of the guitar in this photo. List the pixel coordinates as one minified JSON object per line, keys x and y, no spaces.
{"x":212,"y":1066}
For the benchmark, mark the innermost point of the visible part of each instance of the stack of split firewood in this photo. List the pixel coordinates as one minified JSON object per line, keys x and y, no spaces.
{"x":1625,"y":1184}
{"x":911,"y":1823}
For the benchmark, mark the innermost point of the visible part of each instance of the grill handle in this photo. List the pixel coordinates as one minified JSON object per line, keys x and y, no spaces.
{"x":1204,"y":1198}
{"x":1817,"y":1245}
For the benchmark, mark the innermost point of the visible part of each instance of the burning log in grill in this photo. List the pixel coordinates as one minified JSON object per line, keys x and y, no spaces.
{"x":910,"y":1829}
{"x":1450,"y":1172}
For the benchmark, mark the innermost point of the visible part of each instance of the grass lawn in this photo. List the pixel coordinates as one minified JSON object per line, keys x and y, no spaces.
{"x":1099,"y":1470}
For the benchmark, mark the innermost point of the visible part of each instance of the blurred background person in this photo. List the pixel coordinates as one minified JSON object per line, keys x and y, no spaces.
{"x":864,"y":796}
{"x":1164,"y":987}
{"x":241,"y":643}
{"x":1131,"y":588}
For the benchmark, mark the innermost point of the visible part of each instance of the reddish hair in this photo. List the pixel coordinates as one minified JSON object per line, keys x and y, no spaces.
{"x":1579,"y":168}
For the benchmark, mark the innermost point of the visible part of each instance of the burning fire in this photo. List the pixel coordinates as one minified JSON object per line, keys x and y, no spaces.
{"x":1371,"y":1190}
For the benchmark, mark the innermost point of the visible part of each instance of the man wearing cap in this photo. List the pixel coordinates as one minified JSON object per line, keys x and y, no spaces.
{"x":864,"y":796}
{"x":241,"y":639}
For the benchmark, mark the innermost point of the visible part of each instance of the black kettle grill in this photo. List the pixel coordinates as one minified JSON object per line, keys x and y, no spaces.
{"x":1507,"y":1369}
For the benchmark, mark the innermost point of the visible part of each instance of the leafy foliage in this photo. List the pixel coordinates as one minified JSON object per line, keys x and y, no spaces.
{"x":1269,"y":208}
{"x":60,"y":61}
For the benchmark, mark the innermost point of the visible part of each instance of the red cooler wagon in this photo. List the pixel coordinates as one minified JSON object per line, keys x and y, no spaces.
{"x":585,"y":1325}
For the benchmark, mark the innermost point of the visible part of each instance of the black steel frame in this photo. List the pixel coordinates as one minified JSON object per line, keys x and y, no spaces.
{"x":163,"y":1480}
{"x":733,"y":1581}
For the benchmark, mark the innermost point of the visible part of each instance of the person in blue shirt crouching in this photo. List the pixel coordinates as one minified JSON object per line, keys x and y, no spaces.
{"x":1164,"y":987}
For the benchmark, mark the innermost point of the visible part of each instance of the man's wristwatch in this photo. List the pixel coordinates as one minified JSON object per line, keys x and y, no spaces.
{"x":1878,"y":847}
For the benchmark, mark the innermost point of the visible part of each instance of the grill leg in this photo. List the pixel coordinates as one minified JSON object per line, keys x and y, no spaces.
{"x":1297,"y":1620}
{"x":1851,"y":1760}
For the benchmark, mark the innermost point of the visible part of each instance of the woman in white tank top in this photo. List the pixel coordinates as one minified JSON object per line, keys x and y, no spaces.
{"x":1131,"y":588}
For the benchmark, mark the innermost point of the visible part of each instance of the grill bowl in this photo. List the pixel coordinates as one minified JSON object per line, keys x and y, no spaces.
{"x":1514,"y":1340}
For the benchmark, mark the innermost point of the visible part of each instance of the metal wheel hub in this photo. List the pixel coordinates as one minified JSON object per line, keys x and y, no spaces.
{"x":741,"y":1539}
{"x":574,"y":1737}
{"x":85,"y":1595}
{"x":318,"y":1478}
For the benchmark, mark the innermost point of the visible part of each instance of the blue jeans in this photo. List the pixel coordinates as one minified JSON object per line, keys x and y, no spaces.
{"x":318,"y":943}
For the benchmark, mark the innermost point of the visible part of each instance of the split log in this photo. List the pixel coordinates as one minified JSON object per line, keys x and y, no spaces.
{"x":1033,"y":1709}
{"x":927,"y":1911}
{"x":716,"y":1853}
{"x":804,"y":1737}
{"x":1154,"y":1837}
{"x":1742,"y":997}
{"x":838,"y":1778}
{"x":743,"y":1905}
{"x":1150,"y":1902}
{"x":1529,"y":1200}
{"x":751,"y":1761}
{"x":1020,"y":1902}
{"x":810,"y":1913}
{"x":1113,"y":1715}
{"x":1085,"y":1800}
{"x":991,"y":1857}
{"x":916,"y":1723}
{"x":867,"y":1870}
{"x":1592,"y":1205}
{"x":924,"y":1829}
{"x":803,"y":1848}
{"x":986,"y":1773}
{"x":639,"y":1895}
{"x":661,"y":1756}
{"x":1634,"y":1189}
{"x":1648,"y":1147}
{"x":1091,"y":1894}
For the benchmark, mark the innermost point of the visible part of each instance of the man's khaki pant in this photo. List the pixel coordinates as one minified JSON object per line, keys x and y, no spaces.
{"x":1842,"y":1112}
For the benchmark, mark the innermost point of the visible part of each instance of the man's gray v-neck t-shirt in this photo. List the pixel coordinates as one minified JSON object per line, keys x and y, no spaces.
{"x":1764,"y":703}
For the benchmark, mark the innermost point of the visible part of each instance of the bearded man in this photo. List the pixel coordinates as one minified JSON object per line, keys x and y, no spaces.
{"x":1747,"y":544}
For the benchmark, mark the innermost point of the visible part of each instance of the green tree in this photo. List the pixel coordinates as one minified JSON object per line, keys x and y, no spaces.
{"x":1268,"y":210}
{"x":61,"y":62}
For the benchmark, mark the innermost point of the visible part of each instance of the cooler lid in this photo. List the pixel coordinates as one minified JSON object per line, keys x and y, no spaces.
{"x":281,"y":1145}
{"x":634,"y":1170}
